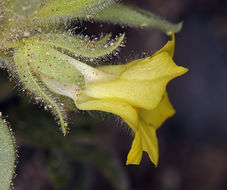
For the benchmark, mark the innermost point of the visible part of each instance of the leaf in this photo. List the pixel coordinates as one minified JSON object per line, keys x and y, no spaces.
{"x":131,"y":16}
{"x":78,"y":45}
{"x":32,"y":84}
{"x":71,"y":8}
{"x":7,"y":156}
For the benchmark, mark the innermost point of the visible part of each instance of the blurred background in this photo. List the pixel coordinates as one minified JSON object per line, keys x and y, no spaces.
{"x":92,"y":156}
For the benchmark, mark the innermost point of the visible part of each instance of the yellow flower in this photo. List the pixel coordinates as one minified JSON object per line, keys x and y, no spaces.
{"x":137,"y":93}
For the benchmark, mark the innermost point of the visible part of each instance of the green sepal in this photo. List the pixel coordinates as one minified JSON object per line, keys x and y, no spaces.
{"x":7,"y":156}
{"x":33,"y":84}
{"x":79,"y":45}
{"x":131,"y":16}
{"x":71,"y":8}
{"x":47,"y":61}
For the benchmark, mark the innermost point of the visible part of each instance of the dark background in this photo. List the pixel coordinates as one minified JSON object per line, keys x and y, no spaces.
{"x":193,"y":152}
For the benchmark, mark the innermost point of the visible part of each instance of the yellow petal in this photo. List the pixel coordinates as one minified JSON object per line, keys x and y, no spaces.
{"x":124,"y":110}
{"x":157,"y":116}
{"x":135,"y":154}
{"x":168,"y":48}
{"x":144,"y":94}
{"x":145,"y":140}
{"x":156,"y":67}
{"x":149,"y":142}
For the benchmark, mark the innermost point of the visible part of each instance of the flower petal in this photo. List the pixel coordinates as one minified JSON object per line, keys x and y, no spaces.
{"x":145,"y":140}
{"x":144,"y":94}
{"x":135,"y":154}
{"x":157,"y":116}
{"x":149,"y":142}
{"x":124,"y":110}
{"x":156,"y":67}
